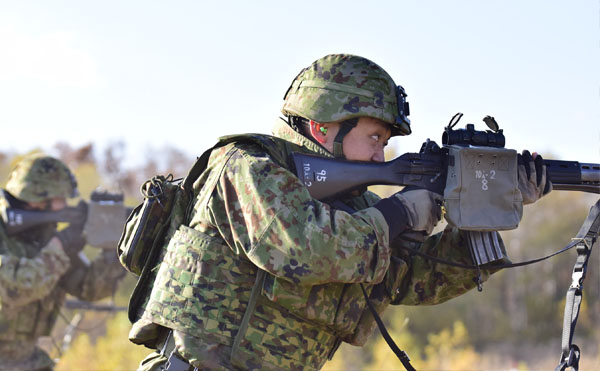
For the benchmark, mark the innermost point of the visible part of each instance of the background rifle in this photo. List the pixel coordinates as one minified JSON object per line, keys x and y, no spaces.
{"x":328,"y":177}
{"x":20,"y":220}
{"x":79,"y":304}
{"x":105,"y":216}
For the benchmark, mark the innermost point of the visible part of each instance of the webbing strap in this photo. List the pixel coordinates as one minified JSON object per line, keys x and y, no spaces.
{"x":256,"y":289}
{"x":586,"y":238}
{"x":402,"y":356}
{"x":174,"y":361}
{"x":198,"y":168}
{"x":495,"y":266}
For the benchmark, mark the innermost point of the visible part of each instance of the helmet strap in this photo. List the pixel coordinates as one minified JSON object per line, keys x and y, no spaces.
{"x":345,"y":127}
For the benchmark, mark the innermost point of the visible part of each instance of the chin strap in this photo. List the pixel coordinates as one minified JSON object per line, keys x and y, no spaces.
{"x":345,"y":127}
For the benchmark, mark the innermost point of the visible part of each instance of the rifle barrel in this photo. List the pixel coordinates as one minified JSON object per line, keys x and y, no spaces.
{"x":573,"y":176}
{"x":590,"y":173}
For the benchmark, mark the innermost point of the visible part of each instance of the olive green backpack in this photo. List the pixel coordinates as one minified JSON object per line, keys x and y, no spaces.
{"x":146,"y":227}
{"x":141,"y":243}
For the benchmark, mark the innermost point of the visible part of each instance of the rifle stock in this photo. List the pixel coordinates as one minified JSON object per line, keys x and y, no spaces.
{"x":328,"y":177}
{"x":20,"y":220}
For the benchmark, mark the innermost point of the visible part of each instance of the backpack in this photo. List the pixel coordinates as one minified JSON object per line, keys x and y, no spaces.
{"x":144,"y":232}
{"x":143,"y":238}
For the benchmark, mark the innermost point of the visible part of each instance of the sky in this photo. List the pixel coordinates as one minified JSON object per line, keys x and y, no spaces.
{"x":157,"y":74}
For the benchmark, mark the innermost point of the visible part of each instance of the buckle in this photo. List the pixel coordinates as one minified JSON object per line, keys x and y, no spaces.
{"x":175,"y":363}
{"x":577,"y":277}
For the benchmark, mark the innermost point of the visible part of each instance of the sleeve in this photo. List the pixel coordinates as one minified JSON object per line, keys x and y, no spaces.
{"x":91,"y":282}
{"x":24,"y":280}
{"x":264,"y":211}
{"x":420,"y":281}
{"x":428,"y":282}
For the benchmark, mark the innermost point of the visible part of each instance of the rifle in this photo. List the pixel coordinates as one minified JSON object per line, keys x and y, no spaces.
{"x":79,"y":304}
{"x":327,"y":177}
{"x":104,"y":218}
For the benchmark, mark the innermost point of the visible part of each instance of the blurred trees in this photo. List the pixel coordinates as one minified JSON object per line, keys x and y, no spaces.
{"x":515,"y":323}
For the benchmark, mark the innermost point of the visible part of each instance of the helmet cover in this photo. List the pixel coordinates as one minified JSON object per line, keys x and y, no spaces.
{"x":37,"y":178}
{"x":339,"y":87}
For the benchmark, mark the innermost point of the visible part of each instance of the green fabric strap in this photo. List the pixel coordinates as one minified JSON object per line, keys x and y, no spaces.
{"x":256,"y":289}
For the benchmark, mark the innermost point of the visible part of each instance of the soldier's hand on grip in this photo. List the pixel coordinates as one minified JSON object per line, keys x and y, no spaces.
{"x":533,"y":179}
{"x":72,"y":238}
{"x":423,"y":208}
{"x":411,"y":211}
{"x":78,"y":214}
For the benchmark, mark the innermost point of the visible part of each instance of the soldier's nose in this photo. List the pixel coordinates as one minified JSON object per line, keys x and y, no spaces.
{"x":378,"y":156}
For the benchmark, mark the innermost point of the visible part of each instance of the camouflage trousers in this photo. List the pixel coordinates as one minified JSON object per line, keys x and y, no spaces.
{"x":23,"y":356}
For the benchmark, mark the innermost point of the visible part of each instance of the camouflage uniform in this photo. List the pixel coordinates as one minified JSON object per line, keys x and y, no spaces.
{"x":261,"y":275}
{"x":251,"y":213}
{"x":35,"y":276}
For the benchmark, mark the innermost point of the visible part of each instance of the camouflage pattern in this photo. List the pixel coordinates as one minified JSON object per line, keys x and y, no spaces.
{"x":252,"y":213}
{"x":339,"y":87}
{"x":23,"y":356}
{"x":38,"y":178}
{"x":35,"y":276}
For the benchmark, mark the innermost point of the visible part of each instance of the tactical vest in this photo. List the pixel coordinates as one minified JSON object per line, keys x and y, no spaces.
{"x":36,"y":319}
{"x":202,"y":290}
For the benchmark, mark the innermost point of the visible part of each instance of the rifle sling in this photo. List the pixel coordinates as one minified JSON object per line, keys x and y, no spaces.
{"x":585,"y":240}
{"x":475,"y":267}
{"x":402,"y":356}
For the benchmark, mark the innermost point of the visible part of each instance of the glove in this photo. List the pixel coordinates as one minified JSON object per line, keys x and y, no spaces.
{"x":533,"y":180}
{"x":423,"y":208}
{"x":411,"y":209}
{"x":72,"y":238}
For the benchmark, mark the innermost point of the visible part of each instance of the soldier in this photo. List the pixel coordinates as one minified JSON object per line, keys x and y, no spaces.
{"x":40,"y":266}
{"x":263,"y":276}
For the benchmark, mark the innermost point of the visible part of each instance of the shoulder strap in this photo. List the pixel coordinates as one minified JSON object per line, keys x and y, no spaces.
{"x":586,"y":238}
{"x":198,"y":168}
{"x":202,"y":161}
{"x":265,"y":141}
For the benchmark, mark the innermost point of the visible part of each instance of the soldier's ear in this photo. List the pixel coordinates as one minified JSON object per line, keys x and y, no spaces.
{"x":318,"y":131}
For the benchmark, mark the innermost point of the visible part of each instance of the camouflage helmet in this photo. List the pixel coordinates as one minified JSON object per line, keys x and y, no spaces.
{"x":38,"y":178}
{"x":339,"y":87}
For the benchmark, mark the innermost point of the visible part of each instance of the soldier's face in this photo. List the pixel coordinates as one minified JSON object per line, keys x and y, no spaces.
{"x":367,"y":140}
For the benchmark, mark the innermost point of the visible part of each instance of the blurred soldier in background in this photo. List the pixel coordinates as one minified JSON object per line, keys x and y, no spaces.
{"x":39,"y":266}
{"x":263,"y":276}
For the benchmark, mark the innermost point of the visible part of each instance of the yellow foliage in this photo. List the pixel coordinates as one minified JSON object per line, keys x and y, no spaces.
{"x":450,"y":350}
{"x":337,"y":363}
{"x":110,"y":352}
{"x":385,"y":359}
{"x":88,"y":179}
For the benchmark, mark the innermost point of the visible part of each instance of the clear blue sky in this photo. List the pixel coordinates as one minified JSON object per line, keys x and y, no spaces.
{"x":182,"y":73}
